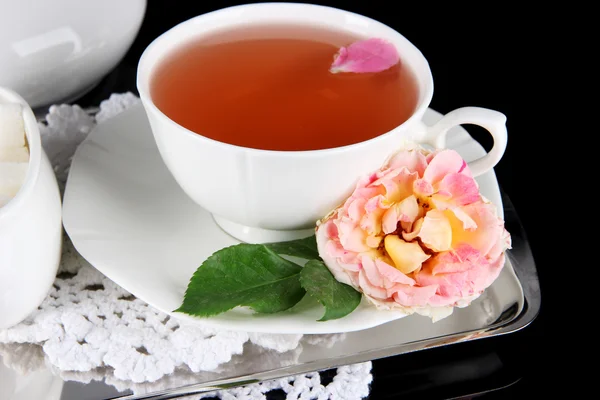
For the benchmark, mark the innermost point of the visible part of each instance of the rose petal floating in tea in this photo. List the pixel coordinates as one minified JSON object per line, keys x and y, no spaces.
{"x":370,"y":55}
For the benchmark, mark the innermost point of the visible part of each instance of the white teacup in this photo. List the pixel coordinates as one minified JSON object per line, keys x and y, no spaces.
{"x":30,"y":230}
{"x":264,"y":196}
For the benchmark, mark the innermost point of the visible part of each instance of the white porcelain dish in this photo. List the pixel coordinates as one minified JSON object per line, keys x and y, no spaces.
{"x":128,"y":217}
{"x":56,"y":50}
{"x":30,"y":230}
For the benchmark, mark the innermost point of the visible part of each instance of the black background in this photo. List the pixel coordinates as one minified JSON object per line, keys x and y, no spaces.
{"x":479,"y":56}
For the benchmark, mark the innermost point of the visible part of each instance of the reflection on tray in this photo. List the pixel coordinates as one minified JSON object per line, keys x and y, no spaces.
{"x":26,"y":362}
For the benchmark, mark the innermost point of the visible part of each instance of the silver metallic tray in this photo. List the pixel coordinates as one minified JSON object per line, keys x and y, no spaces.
{"x":510,"y":304}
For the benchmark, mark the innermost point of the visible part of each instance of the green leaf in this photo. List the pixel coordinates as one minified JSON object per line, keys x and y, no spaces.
{"x":304,"y":248}
{"x":243,"y":275}
{"x":338,"y":298}
{"x":280,"y":297}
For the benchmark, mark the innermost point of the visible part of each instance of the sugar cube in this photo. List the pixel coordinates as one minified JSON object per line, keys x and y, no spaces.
{"x":14,"y":154}
{"x":12,"y":129}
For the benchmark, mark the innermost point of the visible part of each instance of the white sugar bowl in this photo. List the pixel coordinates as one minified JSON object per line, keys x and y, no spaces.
{"x":30,"y":222}
{"x":53,"y":51}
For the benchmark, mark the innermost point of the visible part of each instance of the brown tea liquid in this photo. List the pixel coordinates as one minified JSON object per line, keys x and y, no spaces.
{"x":270,"y":88}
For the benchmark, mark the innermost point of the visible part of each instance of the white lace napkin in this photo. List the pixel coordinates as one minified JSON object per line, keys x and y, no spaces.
{"x":89,"y":328}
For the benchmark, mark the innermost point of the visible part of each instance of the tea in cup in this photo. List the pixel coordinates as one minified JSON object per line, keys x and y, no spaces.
{"x":257,"y":130}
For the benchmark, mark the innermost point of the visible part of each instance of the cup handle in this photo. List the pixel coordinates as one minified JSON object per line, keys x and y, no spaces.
{"x":493,"y":121}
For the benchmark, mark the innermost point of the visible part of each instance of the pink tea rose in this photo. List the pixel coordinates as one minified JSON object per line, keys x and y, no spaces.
{"x":364,"y":56}
{"x":416,"y":235}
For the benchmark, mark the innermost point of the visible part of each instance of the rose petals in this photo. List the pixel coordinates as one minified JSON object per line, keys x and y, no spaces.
{"x":405,"y":211}
{"x":412,"y":160}
{"x":470,"y":278}
{"x":407,"y":256}
{"x":393,"y":274}
{"x":468,"y":224}
{"x":436,"y":231}
{"x":416,"y":235}
{"x":369,"y":288}
{"x":458,"y":188}
{"x":409,"y":235}
{"x":460,"y":259}
{"x":489,"y":228}
{"x":444,"y":163}
{"x":423,"y":188}
{"x":410,"y":296}
{"x":370,"y":55}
